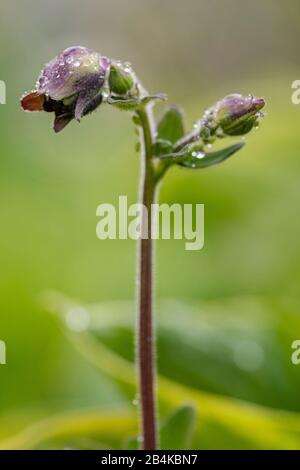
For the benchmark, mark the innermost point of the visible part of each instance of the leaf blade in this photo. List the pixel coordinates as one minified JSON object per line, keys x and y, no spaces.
{"x":177,"y":430}
{"x":211,"y":158}
{"x":171,"y":126}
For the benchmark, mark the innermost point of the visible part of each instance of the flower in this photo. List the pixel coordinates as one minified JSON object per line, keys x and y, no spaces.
{"x":70,"y":85}
{"x":237,"y":114}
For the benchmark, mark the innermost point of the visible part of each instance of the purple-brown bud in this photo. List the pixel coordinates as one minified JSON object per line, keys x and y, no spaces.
{"x":237,"y":114}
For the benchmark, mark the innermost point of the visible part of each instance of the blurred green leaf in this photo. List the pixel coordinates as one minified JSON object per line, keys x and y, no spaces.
{"x":212,"y":342}
{"x":171,"y":126}
{"x":77,"y":429}
{"x":132,"y":444}
{"x":177,"y":430}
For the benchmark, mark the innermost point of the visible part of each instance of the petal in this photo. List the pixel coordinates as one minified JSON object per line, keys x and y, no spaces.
{"x":33,"y":102}
{"x":60,"y":122}
{"x":64,"y":76}
{"x":89,"y":97}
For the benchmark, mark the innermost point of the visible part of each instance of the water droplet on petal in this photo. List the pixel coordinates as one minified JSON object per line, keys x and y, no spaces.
{"x":70,"y":59}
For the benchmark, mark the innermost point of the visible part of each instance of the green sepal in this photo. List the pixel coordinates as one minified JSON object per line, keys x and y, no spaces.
{"x":242,"y":127}
{"x":120,"y":82}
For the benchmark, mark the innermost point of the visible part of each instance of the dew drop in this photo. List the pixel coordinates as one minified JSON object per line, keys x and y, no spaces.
{"x":198,"y":155}
{"x":70,"y":59}
{"x":43,"y":81}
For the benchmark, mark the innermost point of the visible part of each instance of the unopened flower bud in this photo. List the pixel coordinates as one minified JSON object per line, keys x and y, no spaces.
{"x":237,"y":114}
{"x":122,"y":81}
{"x":70,"y":86}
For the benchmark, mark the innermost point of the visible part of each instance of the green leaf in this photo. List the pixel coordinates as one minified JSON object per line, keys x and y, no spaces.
{"x":157,"y":97}
{"x":199,"y":159}
{"x":131,"y":104}
{"x":195,"y":157}
{"x":177,"y":430}
{"x":171,"y":125}
{"x":161,"y":147}
{"x":132,"y":444}
{"x":97,"y":429}
{"x":230,"y":363}
{"x":124,"y":104}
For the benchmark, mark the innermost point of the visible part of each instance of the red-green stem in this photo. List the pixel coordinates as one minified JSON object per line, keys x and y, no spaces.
{"x":146,"y":336}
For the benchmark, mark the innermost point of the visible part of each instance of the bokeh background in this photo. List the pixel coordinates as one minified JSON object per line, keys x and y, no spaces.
{"x":226,"y":315}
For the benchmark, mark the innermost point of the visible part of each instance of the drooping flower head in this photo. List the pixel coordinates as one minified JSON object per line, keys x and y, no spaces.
{"x":70,"y":85}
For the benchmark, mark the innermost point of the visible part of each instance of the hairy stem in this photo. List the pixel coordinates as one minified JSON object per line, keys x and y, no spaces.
{"x":146,"y":337}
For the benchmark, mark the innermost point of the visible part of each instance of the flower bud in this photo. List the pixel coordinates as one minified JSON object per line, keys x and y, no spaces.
{"x":70,"y":86}
{"x":237,"y":114}
{"x":122,"y":81}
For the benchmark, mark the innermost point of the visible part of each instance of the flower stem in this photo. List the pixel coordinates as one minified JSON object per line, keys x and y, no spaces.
{"x":146,"y":337}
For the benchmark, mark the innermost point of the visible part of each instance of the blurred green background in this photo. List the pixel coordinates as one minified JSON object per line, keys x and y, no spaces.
{"x":226,"y":315}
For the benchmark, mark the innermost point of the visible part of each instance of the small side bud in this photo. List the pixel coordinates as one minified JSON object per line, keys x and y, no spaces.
{"x":122,"y":81}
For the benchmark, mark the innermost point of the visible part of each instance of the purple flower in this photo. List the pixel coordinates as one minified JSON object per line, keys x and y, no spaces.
{"x":71,"y":86}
